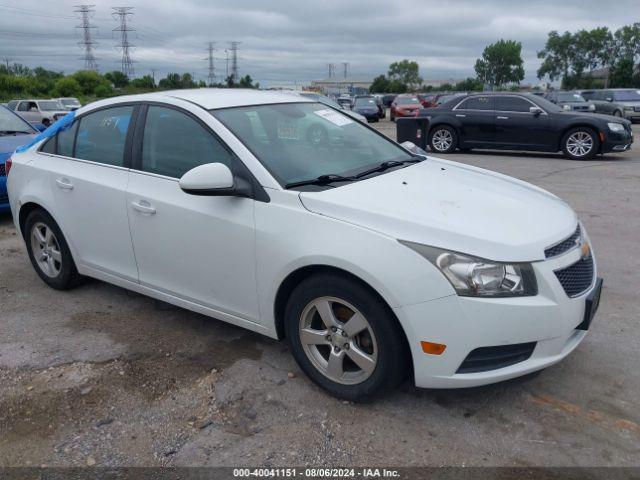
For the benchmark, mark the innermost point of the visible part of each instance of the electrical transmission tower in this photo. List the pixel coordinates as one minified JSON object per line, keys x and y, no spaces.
{"x":212,"y":71}
{"x":233,"y":47}
{"x":87,"y":42}
{"x":345,"y":66}
{"x":332,"y":69}
{"x":122,"y":14}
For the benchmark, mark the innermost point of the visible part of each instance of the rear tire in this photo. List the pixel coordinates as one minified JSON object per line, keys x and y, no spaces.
{"x":328,"y":354}
{"x":49,"y":252}
{"x":443,"y":139}
{"x":580,"y":143}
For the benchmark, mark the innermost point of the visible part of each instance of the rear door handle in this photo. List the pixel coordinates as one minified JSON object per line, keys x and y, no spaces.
{"x":143,"y":206}
{"x":502,"y":118}
{"x":64,"y":183}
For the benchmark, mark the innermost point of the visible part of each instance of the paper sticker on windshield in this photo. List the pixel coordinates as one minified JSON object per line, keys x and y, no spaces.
{"x":334,"y":117}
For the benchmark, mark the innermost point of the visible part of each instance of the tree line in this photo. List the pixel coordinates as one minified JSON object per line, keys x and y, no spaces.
{"x":19,"y":81}
{"x":570,"y":57}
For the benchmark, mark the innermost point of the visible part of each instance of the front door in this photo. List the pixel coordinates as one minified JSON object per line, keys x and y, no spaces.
{"x":516,"y":126}
{"x":198,"y":248}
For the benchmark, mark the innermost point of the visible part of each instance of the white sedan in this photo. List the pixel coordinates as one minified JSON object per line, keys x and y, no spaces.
{"x":289,"y":218}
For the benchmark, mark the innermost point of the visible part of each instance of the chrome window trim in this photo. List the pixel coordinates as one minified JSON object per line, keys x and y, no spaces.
{"x":544,"y":112}
{"x":81,"y":160}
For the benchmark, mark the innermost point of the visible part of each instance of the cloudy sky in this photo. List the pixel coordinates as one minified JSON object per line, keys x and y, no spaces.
{"x":287,"y":41}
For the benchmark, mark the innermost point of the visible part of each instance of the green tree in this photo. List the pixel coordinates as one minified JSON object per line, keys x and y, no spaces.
{"x":88,"y":80}
{"x":117,"y":78}
{"x":146,"y":82}
{"x":406,"y":72}
{"x":67,"y":87}
{"x":380,"y":84}
{"x":501,"y":63}
{"x":469,"y":85}
{"x":396,"y":86}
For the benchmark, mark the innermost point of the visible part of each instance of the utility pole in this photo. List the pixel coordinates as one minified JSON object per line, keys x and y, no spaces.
{"x":121,"y":14}
{"x":153,"y":75}
{"x":212,"y":71}
{"x":87,"y":42}
{"x":345,"y":66}
{"x":233,"y":46}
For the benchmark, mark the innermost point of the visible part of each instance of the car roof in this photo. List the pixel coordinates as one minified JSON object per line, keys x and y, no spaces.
{"x":213,"y":98}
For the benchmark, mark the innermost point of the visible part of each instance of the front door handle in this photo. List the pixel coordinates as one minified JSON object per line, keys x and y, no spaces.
{"x":143,"y":206}
{"x":460,"y":115}
{"x":64,"y":183}
{"x":502,"y":118}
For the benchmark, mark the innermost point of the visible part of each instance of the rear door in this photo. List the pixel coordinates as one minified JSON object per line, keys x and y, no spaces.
{"x":477,"y":118}
{"x":89,"y":180}
{"x":516,"y":126}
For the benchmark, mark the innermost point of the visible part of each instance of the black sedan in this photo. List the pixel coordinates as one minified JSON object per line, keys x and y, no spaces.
{"x":367,"y":106}
{"x":521,"y":121}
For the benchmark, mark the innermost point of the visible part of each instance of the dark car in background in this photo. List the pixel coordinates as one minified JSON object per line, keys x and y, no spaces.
{"x":14,"y":132}
{"x":521,"y":121}
{"x":571,"y":101}
{"x":427,"y":100}
{"x":388,"y":99}
{"x":366,"y":106}
{"x":621,"y":102}
{"x":405,"y":105}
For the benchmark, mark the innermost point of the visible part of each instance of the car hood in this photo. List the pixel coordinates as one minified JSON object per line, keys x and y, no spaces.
{"x":9,"y":143}
{"x":453,"y":206}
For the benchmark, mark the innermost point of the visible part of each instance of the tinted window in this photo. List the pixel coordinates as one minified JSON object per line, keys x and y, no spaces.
{"x":49,"y":146}
{"x":477,"y":103}
{"x":101,"y":135}
{"x":65,"y":140}
{"x":12,"y":104}
{"x":174,"y":143}
{"x":24,"y":106}
{"x":512,"y":104}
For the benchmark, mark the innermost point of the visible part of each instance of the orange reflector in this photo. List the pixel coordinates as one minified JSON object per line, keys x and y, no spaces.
{"x":433,"y":348}
{"x":601,"y":136}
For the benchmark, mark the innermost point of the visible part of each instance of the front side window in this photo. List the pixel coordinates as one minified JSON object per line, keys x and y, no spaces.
{"x":24,"y":106}
{"x":173,"y":143}
{"x":512,"y":104}
{"x":477,"y":103}
{"x":302,"y":141}
{"x":627,"y":96}
{"x":102,"y":135}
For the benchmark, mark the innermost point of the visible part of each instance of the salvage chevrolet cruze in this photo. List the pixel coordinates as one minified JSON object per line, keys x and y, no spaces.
{"x":289,"y":218}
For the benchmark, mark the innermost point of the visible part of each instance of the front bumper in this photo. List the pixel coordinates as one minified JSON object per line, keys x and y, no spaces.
{"x":464,"y":324}
{"x":617,"y":141}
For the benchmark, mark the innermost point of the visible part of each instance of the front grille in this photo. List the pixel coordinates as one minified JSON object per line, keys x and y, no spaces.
{"x":485,"y":359}
{"x":565,"y":245}
{"x":3,"y":173}
{"x":577,"y":278}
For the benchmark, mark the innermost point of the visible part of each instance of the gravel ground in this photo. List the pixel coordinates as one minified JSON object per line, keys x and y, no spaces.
{"x":103,"y":376}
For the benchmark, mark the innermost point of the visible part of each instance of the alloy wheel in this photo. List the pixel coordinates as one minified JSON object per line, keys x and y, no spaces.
{"x":580,"y":144}
{"x":46,"y":249}
{"x":442,"y":140}
{"x":338,"y":340}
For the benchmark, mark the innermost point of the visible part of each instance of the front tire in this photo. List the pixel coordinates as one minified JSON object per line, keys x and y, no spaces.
{"x":49,"y":252}
{"x":580,"y":143}
{"x":344,"y":337}
{"x":443,"y":139}
{"x":617,"y":113}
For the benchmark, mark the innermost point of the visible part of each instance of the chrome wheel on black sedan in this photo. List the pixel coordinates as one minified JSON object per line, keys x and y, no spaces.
{"x":580,"y":143}
{"x":443,"y":139}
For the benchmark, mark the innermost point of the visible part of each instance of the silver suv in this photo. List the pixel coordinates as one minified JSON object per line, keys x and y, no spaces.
{"x":38,"y":111}
{"x":621,"y":102}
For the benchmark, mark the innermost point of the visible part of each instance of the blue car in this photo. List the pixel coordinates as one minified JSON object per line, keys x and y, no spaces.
{"x":14,"y":132}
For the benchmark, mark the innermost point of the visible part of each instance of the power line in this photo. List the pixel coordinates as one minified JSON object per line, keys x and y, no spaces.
{"x":87,"y":42}
{"x":121,"y":14}
{"x":33,"y":12}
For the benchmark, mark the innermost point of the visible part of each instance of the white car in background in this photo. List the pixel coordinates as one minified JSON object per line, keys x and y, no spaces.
{"x":36,"y":112}
{"x":374,"y":263}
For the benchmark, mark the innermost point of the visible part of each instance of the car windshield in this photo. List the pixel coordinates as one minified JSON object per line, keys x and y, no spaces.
{"x":570,"y":97}
{"x":49,"y":105}
{"x":12,"y":123}
{"x":303,"y":141}
{"x":627,"y":96}
{"x":365,"y":102}
{"x":407,"y":100}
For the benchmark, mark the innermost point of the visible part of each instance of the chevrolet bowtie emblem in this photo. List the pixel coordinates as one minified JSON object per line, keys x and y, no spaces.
{"x":585,"y":250}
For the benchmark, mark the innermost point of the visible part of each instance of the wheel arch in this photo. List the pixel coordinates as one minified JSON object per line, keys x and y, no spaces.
{"x":295,"y":277}
{"x":25,"y":210}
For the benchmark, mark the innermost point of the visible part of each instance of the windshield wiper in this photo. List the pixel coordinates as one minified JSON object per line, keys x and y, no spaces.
{"x":321,"y":180}
{"x":387,"y":165}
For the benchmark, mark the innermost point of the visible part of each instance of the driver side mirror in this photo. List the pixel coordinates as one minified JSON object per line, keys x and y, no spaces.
{"x":609,"y":99}
{"x":536,"y":111}
{"x":213,"y":179}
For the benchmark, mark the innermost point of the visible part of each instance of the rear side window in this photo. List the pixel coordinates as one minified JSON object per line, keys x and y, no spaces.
{"x":477,"y":103}
{"x":102,"y":135}
{"x":65,"y":140}
{"x":512,"y":104}
{"x":173,"y":143}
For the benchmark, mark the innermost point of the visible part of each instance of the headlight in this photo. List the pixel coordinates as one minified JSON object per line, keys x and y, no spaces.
{"x":616,"y":127}
{"x":477,"y":277}
{"x":628,"y":108}
{"x":566,"y":107}
{"x":592,"y":107}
